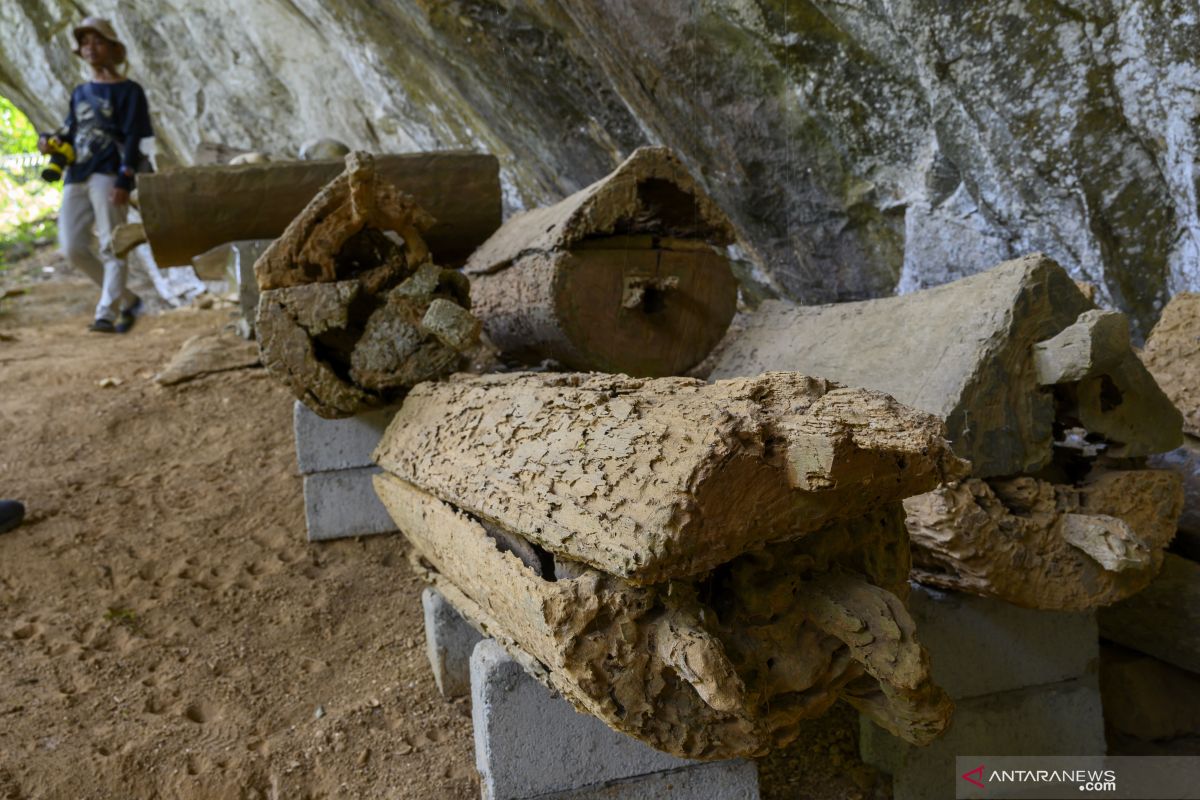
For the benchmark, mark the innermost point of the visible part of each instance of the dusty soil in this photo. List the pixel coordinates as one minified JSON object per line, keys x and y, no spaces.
{"x":165,"y":629}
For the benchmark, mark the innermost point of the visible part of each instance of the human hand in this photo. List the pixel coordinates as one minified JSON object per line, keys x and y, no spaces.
{"x":44,"y":144}
{"x":118,"y":196}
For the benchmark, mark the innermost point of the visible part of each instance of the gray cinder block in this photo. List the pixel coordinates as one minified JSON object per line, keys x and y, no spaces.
{"x":324,"y":445}
{"x":725,"y":780}
{"x":343,"y":503}
{"x":979,"y":646}
{"x":530,"y":743}
{"x":449,"y":640}
{"x":1061,"y":719}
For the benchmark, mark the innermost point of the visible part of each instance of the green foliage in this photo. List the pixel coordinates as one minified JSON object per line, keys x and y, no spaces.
{"x":28,"y":215}
{"x":17,"y":134}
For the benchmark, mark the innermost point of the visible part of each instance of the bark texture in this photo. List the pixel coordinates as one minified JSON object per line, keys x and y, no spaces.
{"x":1042,"y":545}
{"x":717,"y":666}
{"x":189,"y":211}
{"x":627,"y":275}
{"x":352,"y":312}
{"x":652,"y":479}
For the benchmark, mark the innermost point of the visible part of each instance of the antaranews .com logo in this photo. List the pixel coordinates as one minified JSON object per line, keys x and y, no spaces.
{"x":1052,"y":777}
{"x":1089,"y":780}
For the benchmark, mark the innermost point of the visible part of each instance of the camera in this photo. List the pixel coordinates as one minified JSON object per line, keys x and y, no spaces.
{"x":61,"y":155}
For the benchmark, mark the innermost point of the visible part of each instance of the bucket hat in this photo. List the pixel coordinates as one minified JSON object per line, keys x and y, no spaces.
{"x":102,"y":27}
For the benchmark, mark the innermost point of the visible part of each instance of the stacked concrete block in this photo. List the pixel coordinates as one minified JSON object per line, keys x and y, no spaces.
{"x":335,"y":458}
{"x":1024,"y":683}
{"x":530,"y":743}
{"x":449,"y":640}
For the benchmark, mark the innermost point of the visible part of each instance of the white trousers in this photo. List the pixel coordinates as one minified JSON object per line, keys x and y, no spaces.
{"x":85,"y":205}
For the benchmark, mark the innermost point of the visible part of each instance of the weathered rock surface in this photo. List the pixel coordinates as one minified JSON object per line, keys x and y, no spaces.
{"x":1172,"y":354}
{"x":626,"y":276}
{"x":650,"y":479}
{"x":352,"y":312}
{"x":1002,"y":356}
{"x":1042,"y":545}
{"x":726,"y":665}
{"x":858,"y":145}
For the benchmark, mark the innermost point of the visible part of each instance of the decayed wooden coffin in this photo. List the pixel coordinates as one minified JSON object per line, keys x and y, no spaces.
{"x":352,"y":310}
{"x":191,"y":210}
{"x":1041,"y":392}
{"x":700,"y":566}
{"x":628,"y":275}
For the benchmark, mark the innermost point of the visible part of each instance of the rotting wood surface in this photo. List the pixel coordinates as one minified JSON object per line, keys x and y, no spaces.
{"x":1044,"y":545}
{"x":651,"y":479}
{"x":627,"y":275}
{"x":352,"y":311}
{"x":1041,"y":392}
{"x":189,"y":211}
{"x":720,"y":665}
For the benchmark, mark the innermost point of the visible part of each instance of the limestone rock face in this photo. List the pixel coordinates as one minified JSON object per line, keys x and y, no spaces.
{"x":858,"y":145}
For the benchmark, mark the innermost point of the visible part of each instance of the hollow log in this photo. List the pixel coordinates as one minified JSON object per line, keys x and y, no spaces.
{"x":1042,"y":545}
{"x":627,"y":275}
{"x":720,"y":666}
{"x":1009,"y":358}
{"x":189,"y":211}
{"x":1029,"y":380}
{"x":352,"y":312}
{"x":649,"y":479}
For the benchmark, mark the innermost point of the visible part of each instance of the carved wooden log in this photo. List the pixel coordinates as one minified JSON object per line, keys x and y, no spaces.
{"x":626,"y":276}
{"x":191,"y":210}
{"x":1029,"y":379}
{"x":652,"y":479}
{"x":966,"y":352}
{"x":723,"y":665}
{"x":352,"y":312}
{"x":1044,"y":545}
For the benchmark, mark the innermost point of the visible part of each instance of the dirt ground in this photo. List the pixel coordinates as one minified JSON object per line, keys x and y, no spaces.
{"x":165,"y":629}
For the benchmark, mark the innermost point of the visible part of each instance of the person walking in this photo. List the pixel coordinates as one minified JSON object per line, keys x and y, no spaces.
{"x":108,"y":118}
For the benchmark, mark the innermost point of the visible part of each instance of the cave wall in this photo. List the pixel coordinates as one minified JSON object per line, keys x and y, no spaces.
{"x":860,"y":146}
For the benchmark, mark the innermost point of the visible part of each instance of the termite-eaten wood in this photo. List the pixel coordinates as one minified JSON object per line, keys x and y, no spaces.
{"x":700,"y":565}
{"x":714,"y":666}
{"x":627,"y":275}
{"x":1040,"y":391}
{"x":650,"y":479}
{"x":1045,"y":545}
{"x":352,"y":311}
{"x":1172,"y":354}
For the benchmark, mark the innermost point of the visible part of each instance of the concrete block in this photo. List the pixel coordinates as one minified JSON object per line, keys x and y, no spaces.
{"x":1061,"y":719}
{"x":449,"y":641}
{"x":530,"y":743}
{"x":343,"y":503}
{"x":724,"y":780}
{"x":241,"y":266}
{"x":324,"y":445}
{"x":980,"y":646}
